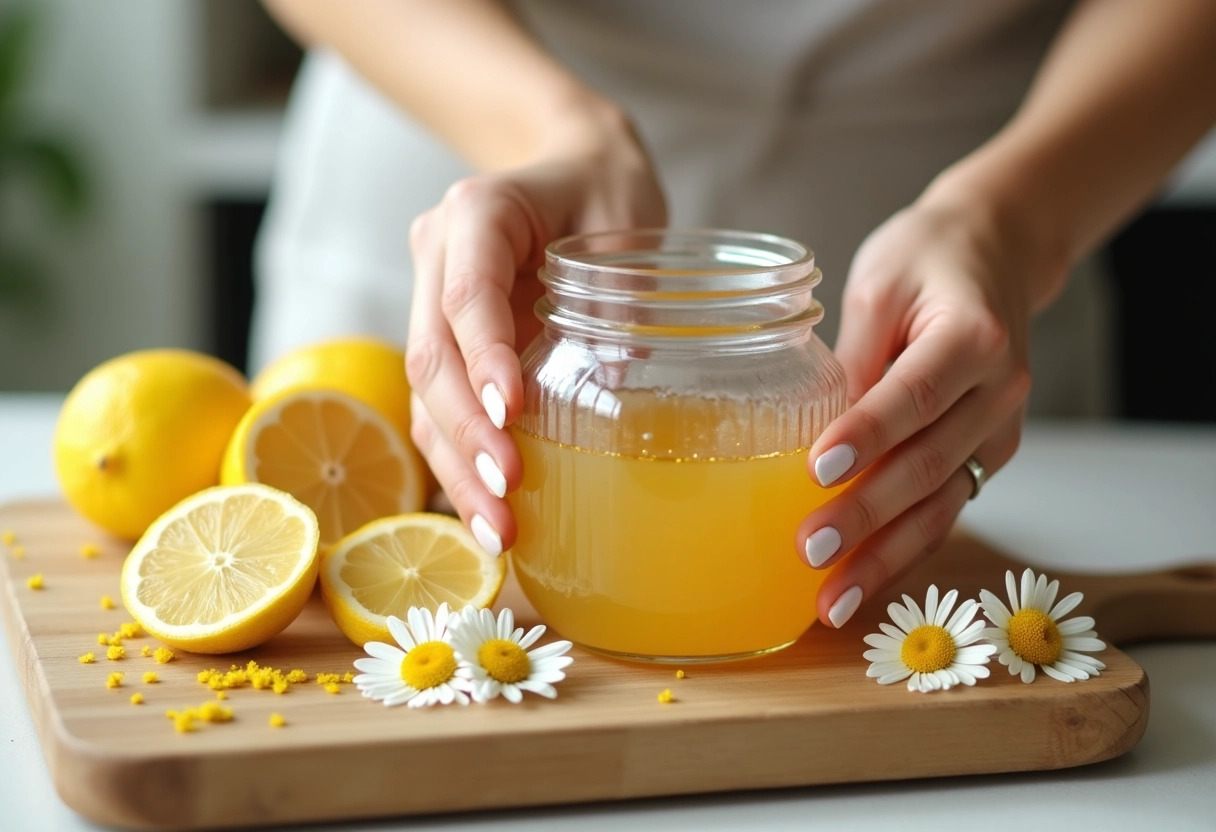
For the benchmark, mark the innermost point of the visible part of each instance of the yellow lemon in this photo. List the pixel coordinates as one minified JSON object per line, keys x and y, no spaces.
{"x":332,"y":452}
{"x":371,"y":370}
{"x":412,"y":560}
{"x":142,"y":431}
{"x":223,"y":570}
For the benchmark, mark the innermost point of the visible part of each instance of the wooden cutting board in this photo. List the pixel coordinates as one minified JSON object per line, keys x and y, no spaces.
{"x":807,"y":715}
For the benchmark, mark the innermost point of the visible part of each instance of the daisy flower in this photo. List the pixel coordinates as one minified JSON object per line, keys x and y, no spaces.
{"x":1031,"y":632}
{"x":933,"y":650}
{"x":495,"y":658}
{"x":422,"y":671}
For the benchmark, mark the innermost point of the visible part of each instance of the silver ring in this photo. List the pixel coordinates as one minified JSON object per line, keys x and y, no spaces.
{"x":978,"y":475}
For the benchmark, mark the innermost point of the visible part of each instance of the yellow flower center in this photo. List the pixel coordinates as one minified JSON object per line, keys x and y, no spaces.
{"x":928,"y":648}
{"x":504,"y":661}
{"x":1035,"y":637}
{"x":427,"y":665}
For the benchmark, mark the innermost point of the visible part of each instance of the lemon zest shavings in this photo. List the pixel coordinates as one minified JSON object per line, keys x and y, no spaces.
{"x":114,"y":680}
{"x":107,"y":603}
{"x":33,"y":581}
{"x":666,"y":696}
{"x":89,"y":550}
{"x":137,"y":698}
{"x":116,"y":652}
{"x":87,"y":658}
{"x":277,"y":721}
{"x":151,"y":677}
{"x":162,"y":655}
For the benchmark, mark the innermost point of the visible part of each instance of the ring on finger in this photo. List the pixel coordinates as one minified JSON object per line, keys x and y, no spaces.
{"x":978,"y":475}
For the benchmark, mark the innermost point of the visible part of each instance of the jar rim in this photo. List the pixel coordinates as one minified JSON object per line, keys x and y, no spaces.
{"x":728,"y":251}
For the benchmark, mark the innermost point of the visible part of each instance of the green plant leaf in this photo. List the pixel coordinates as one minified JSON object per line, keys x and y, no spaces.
{"x":16,"y":41}
{"x":22,"y":279}
{"x":54,"y":164}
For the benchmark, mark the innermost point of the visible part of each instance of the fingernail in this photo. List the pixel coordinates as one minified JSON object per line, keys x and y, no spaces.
{"x":495,"y":405}
{"x":486,"y":537}
{"x":822,"y":545}
{"x":490,"y":474}
{"x":845,"y":606}
{"x":833,"y":462}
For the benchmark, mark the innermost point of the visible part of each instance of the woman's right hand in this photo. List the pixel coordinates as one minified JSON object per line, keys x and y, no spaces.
{"x":476,"y":255}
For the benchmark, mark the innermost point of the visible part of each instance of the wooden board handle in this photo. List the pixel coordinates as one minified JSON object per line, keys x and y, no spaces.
{"x":1150,"y":606}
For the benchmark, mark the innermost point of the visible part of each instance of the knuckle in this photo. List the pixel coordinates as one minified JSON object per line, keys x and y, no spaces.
{"x":924,"y":391}
{"x":420,"y":229}
{"x":872,"y":431}
{"x":928,"y":467}
{"x":934,"y":519}
{"x":1017,"y":388}
{"x":866,"y":515}
{"x":465,"y":430}
{"x":989,"y":335}
{"x":423,"y":360}
{"x":469,"y":191}
{"x":463,"y":491}
{"x":459,"y":290}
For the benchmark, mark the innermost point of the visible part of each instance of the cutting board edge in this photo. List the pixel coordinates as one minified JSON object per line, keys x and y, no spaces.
{"x":99,"y":786}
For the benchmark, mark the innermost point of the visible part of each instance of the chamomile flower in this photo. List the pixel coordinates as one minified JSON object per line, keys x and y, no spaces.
{"x":422,"y":671}
{"x":495,"y":658}
{"x":1030,"y":632}
{"x":933,"y":650}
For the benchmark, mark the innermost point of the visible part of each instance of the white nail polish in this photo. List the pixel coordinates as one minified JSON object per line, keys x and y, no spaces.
{"x":822,"y":545}
{"x":490,"y":474}
{"x":486,"y":537}
{"x":845,"y":606}
{"x":833,"y":462}
{"x":495,"y":405}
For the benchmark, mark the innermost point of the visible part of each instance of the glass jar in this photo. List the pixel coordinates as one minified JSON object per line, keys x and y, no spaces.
{"x":670,"y":402}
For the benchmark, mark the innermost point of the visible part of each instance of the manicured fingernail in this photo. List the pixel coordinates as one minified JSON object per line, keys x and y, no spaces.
{"x":833,"y":462}
{"x":845,"y":606}
{"x":822,"y":545}
{"x":486,"y":537}
{"x":495,"y":405}
{"x":490,"y":474}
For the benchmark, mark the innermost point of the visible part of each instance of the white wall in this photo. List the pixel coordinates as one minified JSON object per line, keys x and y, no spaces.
{"x":116,"y":75}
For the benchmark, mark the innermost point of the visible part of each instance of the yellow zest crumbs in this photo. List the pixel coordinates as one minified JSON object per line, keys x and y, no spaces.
{"x":89,"y":550}
{"x":219,"y":694}
{"x":18,"y":552}
{"x":348,"y":677}
{"x":253,"y":675}
{"x":280,"y":685}
{"x":328,"y":678}
{"x":34,"y":581}
{"x":114,"y":680}
{"x":333,"y":687}
{"x":130,"y":629}
{"x":8,"y":537}
{"x":163,"y":655}
{"x":151,"y":678}
{"x":107,"y":603}
{"x":679,"y":674}
{"x":87,"y":658}
{"x":666,"y":696}
{"x":277,"y":721}
{"x":115,"y":639}
{"x":146,"y":650}
{"x":115,"y":652}
{"x":296,"y":676}
{"x":137,"y":698}
{"x":188,"y":719}
{"x":103,"y":639}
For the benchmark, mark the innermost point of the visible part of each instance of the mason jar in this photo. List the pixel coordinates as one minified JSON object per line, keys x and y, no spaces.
{"x":670,"y":403}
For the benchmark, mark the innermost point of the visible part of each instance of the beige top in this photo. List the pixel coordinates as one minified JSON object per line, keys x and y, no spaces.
{"x":813,"y":120}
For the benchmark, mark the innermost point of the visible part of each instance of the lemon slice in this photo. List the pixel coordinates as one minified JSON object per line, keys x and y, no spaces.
{"x":412,"y":560}
{"x":335,"y":454}
{"x":223,"y":570}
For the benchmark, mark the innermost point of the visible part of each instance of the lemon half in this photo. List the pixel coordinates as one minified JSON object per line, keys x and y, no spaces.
{"x":412,"y":560}
{"x":223,"y":570}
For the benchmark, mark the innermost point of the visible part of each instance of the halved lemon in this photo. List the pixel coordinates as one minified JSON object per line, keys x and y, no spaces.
{"x":412,"y":560}
{"x":223,"y":570}
{"x":334,"y":453}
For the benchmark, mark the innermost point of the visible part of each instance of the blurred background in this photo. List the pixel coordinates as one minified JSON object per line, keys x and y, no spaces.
{"x":137,"y":140}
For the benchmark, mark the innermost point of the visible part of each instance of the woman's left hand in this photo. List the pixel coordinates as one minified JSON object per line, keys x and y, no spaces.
{"x":933,"y":339}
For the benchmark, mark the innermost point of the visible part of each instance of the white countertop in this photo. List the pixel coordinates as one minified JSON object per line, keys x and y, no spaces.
{"x":1081,"y":496}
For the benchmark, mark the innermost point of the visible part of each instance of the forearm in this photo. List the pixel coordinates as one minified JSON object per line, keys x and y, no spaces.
{"x":1127,"y":89}
{"x":465,"y":68}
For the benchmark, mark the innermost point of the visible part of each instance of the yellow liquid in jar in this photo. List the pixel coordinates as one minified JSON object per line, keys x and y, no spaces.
{"x":666,"y":559}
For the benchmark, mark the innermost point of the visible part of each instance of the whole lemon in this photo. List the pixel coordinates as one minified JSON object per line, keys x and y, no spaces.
{"x":369,"y":369}
{"x":142,"y":431}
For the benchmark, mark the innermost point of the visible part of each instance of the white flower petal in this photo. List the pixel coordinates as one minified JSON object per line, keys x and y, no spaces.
{"x":974,"y":654}
{"x":401,"y":633}
{"x":512,"y":694}
{"x":532,"y":637}
{"x":902,"y":617}
{"x":944,"y":609}
{"x":1071,"y":670}
{"x":386,"y":652}
{"x":1067,"y":604}
{"x":545,"y":690}
{"x":1056,"y":674}
{"x":1086,"y":643}
{"x":1011,"y":587}
{"x":979,"y":671}
{"x":1075,"y":626}
{"x":914,"y":609}
{"x":1018,"y":666}
{"x":506,"y":623}
{"x":1049,"y":598}
{"x":931,"y":598}
{"x":895,"y":676}
{"x":1027,"y":673}
{"x":962,"y":616}
{"x":995,"y":634}
{"x":381,"y":667}
{"x":1083,"y":660}
{"x":973,"y":633}
{"x":554,"y":648}
{"x":883,"y":642}
{"x":878,"y":669}
{"x":994,"y":609}
{"x":892,"y":631}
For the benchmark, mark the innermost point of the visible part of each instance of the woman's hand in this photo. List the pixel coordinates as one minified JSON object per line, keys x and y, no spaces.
{"x":933,"y":339}
{"x":475,"y":260}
